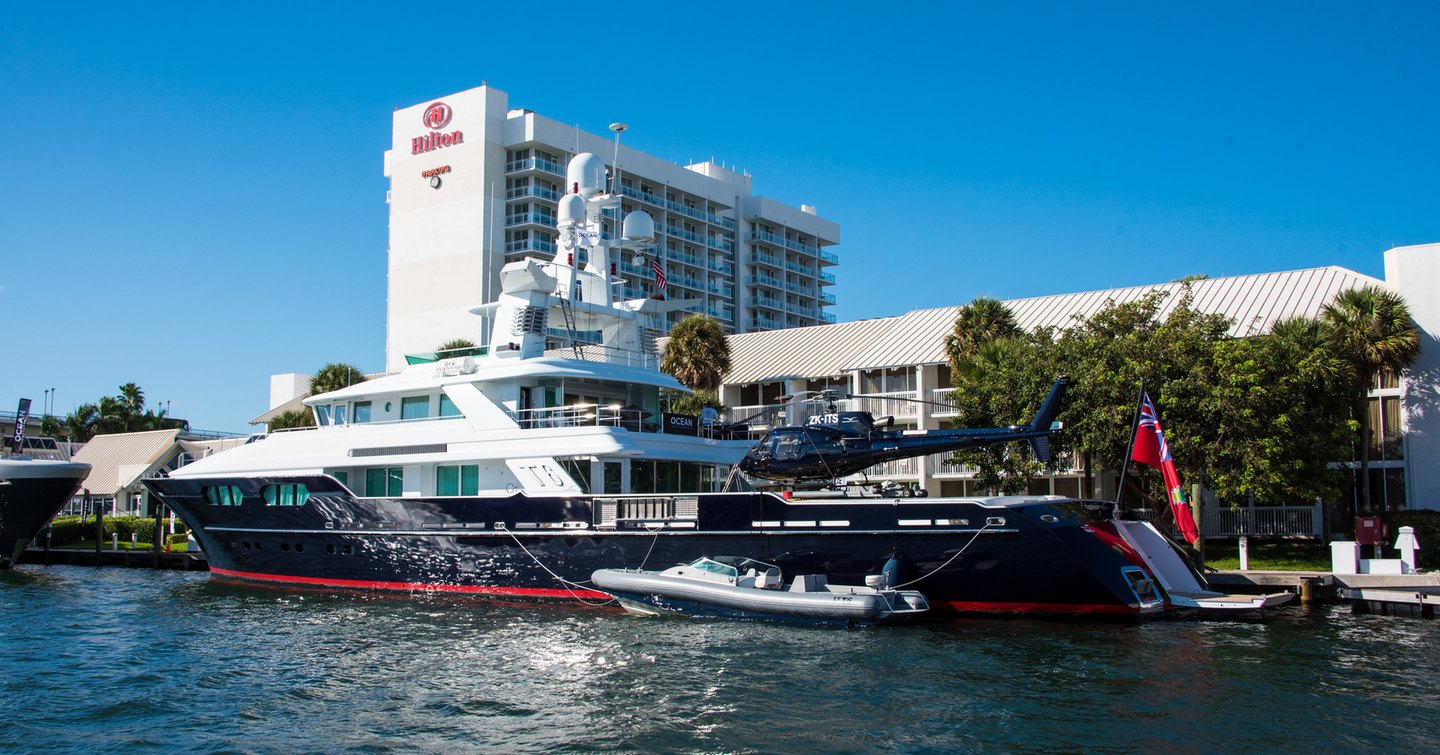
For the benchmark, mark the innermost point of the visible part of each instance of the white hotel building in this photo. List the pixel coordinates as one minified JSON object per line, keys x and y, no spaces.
{"x":474,"y":184}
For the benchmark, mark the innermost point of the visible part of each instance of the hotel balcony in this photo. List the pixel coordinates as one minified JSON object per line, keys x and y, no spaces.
{"x":534,"y":163}
{"x":520,"y":192}
{"x":529,"y":245}
{"x":530,"y":218}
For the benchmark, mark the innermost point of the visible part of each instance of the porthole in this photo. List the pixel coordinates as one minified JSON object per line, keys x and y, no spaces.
{"x":299,"y":547}
{"x":330,"y":548}
{"x":349,"y":549}
{"x":285,"y":546}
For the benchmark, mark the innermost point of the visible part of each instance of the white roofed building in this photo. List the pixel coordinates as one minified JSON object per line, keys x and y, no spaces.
{"x":903,"y":358}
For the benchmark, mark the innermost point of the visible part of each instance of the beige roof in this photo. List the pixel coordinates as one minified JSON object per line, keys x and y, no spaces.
{"x":800,"y":352}
{"x":202,"y":448}
{"x":117,"y":461}
{"x":294,"y":404}
{"x":1252,"y":302}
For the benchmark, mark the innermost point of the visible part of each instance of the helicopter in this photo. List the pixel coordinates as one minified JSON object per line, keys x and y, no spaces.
{"x":835,"y":444}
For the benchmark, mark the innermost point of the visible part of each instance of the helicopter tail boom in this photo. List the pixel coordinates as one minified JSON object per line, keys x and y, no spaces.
{"x":1044,"y":418}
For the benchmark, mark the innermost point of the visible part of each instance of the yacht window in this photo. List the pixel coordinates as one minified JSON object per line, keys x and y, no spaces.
{"x":447,"y":407}
{"x":322,"y":415}
{"x":287,"y":494}
{"x":362,"y":411}
{"x":339,"y":414}
{"x":221,"y":495}
{"x":414,"y":407}
{"x":457,"y":480}
{"x":384,"y":481}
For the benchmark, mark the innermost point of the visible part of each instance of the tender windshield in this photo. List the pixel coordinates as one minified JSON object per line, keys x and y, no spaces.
{"x":705,"y":564}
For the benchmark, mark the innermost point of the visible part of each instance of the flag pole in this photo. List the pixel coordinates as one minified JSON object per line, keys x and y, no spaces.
{"x":1130,"y":447}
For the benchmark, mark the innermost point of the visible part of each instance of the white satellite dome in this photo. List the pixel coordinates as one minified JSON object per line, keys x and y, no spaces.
{"x":585,"y":174}
{"x":638,"y":226}
{"x":572,"y":209}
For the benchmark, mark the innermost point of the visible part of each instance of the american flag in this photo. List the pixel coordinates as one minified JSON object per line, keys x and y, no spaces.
{"x":659,"y":269}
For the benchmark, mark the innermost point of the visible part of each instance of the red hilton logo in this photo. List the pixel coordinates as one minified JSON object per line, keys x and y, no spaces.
{"x":436,"y":116}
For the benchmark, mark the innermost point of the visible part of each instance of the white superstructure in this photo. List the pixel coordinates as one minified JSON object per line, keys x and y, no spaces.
{"x":509,"y":415}
{"x":475,"y":185}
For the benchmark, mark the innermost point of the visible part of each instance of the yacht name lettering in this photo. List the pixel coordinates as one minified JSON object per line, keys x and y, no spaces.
{"x":549,"y":475}
{"x":435,"y":140}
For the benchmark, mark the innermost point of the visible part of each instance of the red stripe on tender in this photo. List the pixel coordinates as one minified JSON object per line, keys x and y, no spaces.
{"x":528,"y":592}
{"x":1088,"y":608}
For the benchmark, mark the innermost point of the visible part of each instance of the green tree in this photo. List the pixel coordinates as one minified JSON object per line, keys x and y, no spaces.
{"x":455,"y":344}
{"x":697,"y":354}
{"x":1279,"y":406}
{"x":80,"y":424}
{"x":692,"y":403}
{"x":1370,"y":329}
{"x":982,"y":320}
{"x":291,"y":419}
{"x":334,"y":376}
{"x":1003,"y":382}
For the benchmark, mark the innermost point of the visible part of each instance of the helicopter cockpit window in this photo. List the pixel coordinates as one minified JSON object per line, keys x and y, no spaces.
{"x":788,"y":446}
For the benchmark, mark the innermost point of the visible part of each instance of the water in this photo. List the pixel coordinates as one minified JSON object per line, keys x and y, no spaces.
{"x":98,"y":659}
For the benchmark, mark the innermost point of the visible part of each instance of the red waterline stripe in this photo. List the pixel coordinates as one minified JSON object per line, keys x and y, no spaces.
{"x":1089,"y":608}
{"x":528,"y":592}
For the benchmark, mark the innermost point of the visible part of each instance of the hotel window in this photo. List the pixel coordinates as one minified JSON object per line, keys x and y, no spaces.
{"x":447,"y":407}
{"x":362,"y":411}
{"x":414,"y":407}
{"x":384,"y":481}
{"x":457,"y":480}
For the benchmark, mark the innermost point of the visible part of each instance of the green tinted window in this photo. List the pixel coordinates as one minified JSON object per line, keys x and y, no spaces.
{"x":447,"y":407}
{"x":470,"y":480}
{"x":414,"y":407}
{"x":447,"y":481}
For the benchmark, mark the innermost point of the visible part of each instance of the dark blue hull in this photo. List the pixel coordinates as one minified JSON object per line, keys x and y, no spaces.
{"x":26,"y":505}
{"x":1035,"y":557}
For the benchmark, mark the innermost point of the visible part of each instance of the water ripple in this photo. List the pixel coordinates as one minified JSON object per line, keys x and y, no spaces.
{"x":113,"y":658}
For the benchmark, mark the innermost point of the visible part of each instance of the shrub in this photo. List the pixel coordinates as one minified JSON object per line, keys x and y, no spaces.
{"x":66,"y":530}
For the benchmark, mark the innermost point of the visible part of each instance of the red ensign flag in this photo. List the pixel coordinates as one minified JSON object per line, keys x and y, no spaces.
{"x":1152,"y":451}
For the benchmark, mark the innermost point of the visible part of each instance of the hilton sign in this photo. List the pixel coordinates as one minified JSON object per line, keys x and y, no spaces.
{"x":436,"y":117}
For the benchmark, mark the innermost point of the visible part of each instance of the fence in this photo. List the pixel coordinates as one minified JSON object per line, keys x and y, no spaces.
{"x":1263,"y":521}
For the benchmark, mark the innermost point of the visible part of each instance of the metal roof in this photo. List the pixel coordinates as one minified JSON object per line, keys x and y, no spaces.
{"x":800,"y":352}
{"x":1253,"y":303}
{"x":118,"y":460}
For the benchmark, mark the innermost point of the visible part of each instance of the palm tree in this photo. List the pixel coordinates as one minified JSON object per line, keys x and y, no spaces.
{"x":132,"y":398}
{"x":334,"y":376}
{"x":455,"y":344}
{"x":1371,"y":330}
{"x":697,"y":353}
{"x":981,"y":321}
{"x":80,"y":424}
{"x":290,"y":419}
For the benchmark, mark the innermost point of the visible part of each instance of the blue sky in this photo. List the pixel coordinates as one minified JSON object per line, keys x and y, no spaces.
{"x":193,"y":200}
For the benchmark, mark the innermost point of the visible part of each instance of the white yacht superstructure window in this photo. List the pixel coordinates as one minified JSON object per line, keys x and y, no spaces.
{"x":362,"y":411}
{"x":448,"y":407}
{"x":414,"y":407}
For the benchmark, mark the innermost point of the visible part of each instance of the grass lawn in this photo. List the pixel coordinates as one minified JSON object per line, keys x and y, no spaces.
{"x":1270,"y":555}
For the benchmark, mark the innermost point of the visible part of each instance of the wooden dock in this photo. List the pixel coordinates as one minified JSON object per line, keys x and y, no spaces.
{"x":137,"y":559}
